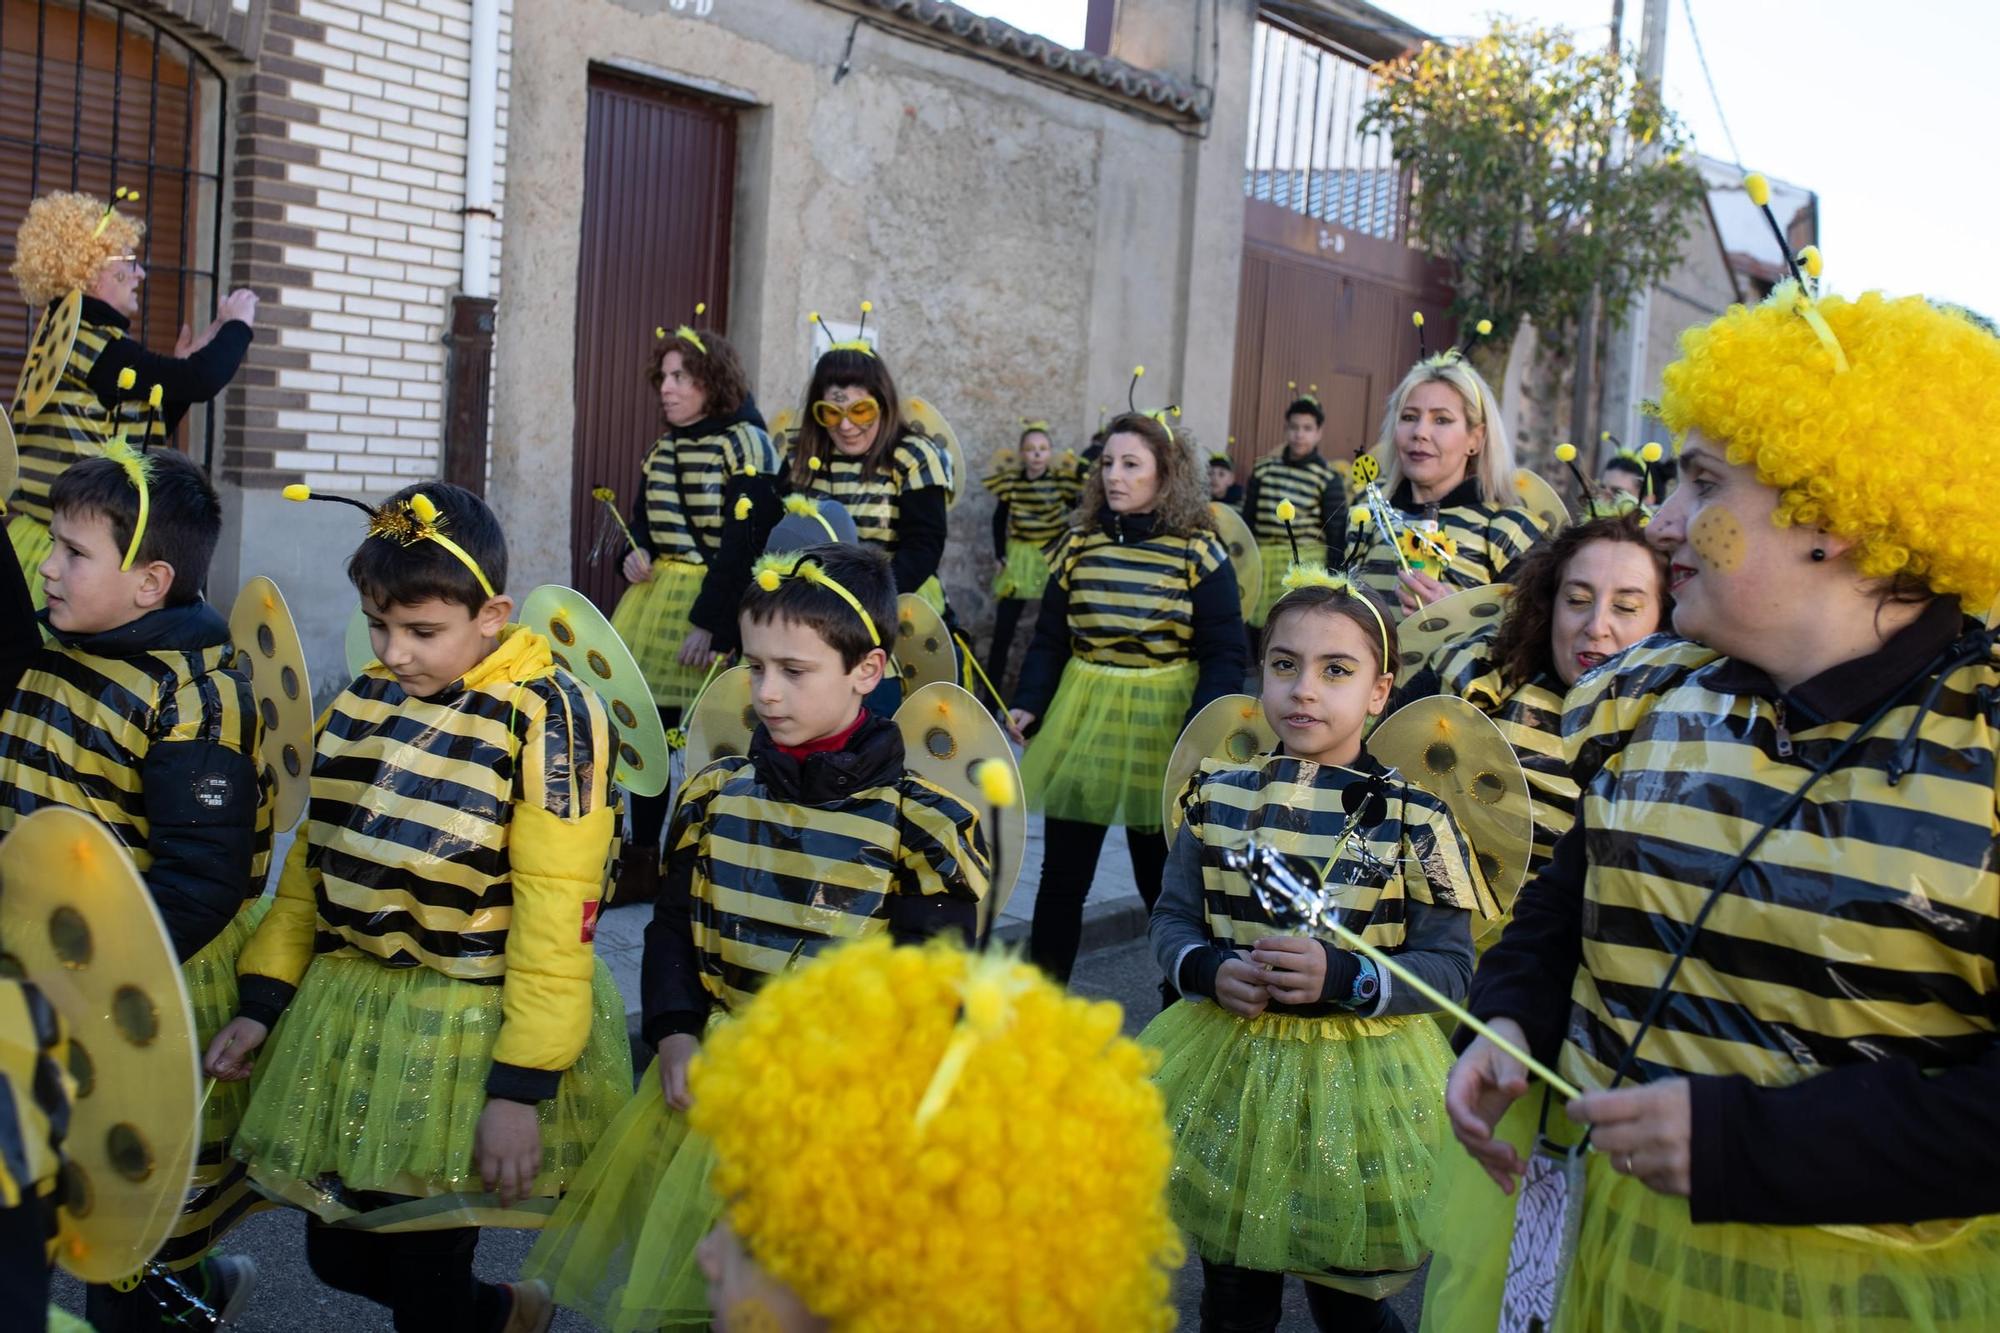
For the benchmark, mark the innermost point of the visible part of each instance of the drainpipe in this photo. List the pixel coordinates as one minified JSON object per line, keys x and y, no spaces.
{"x":469,"y":338}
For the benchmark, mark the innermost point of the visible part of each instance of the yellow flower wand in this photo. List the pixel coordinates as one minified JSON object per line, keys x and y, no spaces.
{"x":607,"y":497}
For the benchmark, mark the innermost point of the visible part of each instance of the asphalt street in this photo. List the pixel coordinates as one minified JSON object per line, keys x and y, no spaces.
{"x":288,"y":1299}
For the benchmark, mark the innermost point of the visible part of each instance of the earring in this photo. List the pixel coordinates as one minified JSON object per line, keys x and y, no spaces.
{"x":1818,"y":554}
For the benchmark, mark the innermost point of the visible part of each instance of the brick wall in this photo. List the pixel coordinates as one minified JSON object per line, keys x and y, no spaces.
{"x":349,"y":174}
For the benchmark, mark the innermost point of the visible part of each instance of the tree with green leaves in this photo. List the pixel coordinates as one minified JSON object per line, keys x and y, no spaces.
{"x":1543,"y":169}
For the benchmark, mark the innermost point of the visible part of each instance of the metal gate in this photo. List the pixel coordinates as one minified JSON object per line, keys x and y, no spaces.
{"x":95,"y":97}
{"x":659,"y":176}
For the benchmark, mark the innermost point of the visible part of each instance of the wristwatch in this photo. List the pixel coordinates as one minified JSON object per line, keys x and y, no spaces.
{"x":1367,"y":986}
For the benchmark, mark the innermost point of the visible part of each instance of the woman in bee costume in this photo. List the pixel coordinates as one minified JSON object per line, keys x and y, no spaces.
{"x":1766,"y":950}
{"x":76,"y":259}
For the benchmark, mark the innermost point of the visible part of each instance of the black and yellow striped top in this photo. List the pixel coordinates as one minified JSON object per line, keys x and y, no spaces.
{"x":413,"y":802}
{"x":1131,"y":603}
{"x":74,"y":424}
{"x":685,"y":480}
{"x":81,"y":725}
{"x":1865,"y":925}
{"x":916,"y":463}
{"x":1489,"y":537}
{"x":1294,"y":805}
{"x":772,"y":879}
{"x":1306,"y":482}
{"x":36,"y":1091}
{"x":1037,"y":507}
{"x":1530,"y":717}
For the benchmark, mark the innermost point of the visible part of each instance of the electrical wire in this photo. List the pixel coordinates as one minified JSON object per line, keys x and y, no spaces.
{"x":1701,"y":58}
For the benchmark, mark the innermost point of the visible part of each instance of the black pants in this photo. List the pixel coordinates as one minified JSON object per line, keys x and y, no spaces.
{"x":1069,"y":863}
{"x":423,"y":1277}
{"x":649,"y":813}
{"x":24,"y":1259}
{"x":1244,"y":1300}
{"x":1006,"y":619}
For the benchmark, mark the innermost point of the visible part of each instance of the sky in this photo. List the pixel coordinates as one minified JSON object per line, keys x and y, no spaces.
{"x":1863,"y":103}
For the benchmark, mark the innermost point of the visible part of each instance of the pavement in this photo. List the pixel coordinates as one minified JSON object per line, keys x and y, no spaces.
{"x":289,"y":1299}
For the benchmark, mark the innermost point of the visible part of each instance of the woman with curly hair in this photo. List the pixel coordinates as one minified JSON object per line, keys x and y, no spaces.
{"x":1579,"y":599}
{"x":1447,"y":475}
{"x":77,"y":258}
{"x":1765,"y":952}
{"x":1140,"y":626}
{"x":691,"y":548}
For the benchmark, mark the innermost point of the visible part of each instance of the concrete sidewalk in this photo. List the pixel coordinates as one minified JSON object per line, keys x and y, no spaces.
{"x":1113,"y":914}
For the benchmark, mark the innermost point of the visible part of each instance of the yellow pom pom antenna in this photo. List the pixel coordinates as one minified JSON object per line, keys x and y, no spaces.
{"x":1758,"y":189}
{"x":1651,"y":452}
{"x":1810,"y":259}
{"x":996,"y":783}
{"x":128,"y":378}
{"x":1287,"y":511}
{"x":155,"y":396}
{"x":742,"y":507}
{"x":298,"y":490}
{"x":1565,"y":453}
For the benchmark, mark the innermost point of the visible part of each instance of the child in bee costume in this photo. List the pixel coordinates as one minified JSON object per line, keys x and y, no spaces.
{"x":76,"y":260}
{"x":438,"y":1040}
{"x":135,"y":714}
{"x":1297,"y":472}
{"x":1302,"y":1085}
{"x":1033,"y":492}
{"x":819,"y":834}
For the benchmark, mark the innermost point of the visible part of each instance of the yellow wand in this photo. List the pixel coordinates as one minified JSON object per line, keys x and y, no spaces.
{"x":607,"y":497}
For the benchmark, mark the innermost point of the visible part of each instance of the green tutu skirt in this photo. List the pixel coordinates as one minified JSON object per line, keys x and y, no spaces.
{"x":1101,"y":754}
{"x":620,"y":1247}
{"x":211,"y":983}
{"x":1303,"y":1145}
{"x":377,"y":1075}
{"x":32,"y":544}
{"x":652,"y":618}
{"x":1024,"y":574}
{"x":1277,"y":562}
{"x":1642,"y":1265}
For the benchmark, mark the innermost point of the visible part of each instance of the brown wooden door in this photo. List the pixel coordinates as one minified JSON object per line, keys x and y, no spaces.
{"x":1338,"y":318}
{"x":659,"y":174}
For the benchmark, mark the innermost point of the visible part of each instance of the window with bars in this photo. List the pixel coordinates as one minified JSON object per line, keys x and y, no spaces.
{"x":1305,"y":153}
{"x":93,"y":97}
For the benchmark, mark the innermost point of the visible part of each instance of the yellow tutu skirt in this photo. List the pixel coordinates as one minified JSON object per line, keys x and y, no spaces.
{"x":32,"y":544}
{"x":620,"y":1247}
{"x":1642,"y":1265}
{"x":1303,"y":1145}
{"x":1277,"y":560}
{"x":1101,"y":754}
{"x":932,"y":593}
{"x":377,"y":1075}
{"x":1025,"y":573}
{"x":652,"y":618}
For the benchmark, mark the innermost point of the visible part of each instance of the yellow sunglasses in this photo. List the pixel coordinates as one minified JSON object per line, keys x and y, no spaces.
{"x":863,"y":412}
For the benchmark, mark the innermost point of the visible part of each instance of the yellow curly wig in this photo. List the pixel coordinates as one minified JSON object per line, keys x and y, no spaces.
{"x":59,"y":249}
{"x":1024,"y":1188}
{"x":1894,"y":454}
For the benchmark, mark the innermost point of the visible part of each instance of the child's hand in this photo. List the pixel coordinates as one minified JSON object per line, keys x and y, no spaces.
{"x":675,"y":1052}
{"x":1239,"y":986}
{"x":228,"y":1056}
{"x":508,"y":1149}
{"x":1294,"y":967}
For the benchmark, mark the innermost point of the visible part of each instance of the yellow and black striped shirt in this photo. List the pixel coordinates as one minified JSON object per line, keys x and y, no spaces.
{"x":1863,"y":927}
{"x":74,"y":424}
{"x":1415,"y":854}
{"x":36,"y":1093}
{"x":1489,"y":538}
{"x":413,"y":802}
{"x":916,"y":463}
{"x":82,"y":726}
{"x":685,"y":480}
{"x":1037,"y":507}
{"x":771,"y":879}
{"x":1310,"y":483}
{"x":1131,"y":603}
{"x":1530,"y":717}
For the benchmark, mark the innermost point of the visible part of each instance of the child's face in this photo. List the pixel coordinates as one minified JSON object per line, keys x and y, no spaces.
{"x":1301,"y":432}
{"x":742,"y":1296}
{"x":1323,"y":680}
{"x":800,"y":690}
{"x":1035,"y":452}
{"x":430,"y":645}
{"x":1220,"y":479}
{"x":87,"y":592}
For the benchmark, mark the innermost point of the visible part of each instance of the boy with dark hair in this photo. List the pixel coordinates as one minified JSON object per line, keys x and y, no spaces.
{"x":1222,"y":485}
{"x":820,"y":834}
{"x":1317,"y":490}
{"x":439,"y":1024}
{"x":134,"y":714}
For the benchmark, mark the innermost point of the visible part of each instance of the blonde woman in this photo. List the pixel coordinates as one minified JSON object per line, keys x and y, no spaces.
{"x":1446,"y":488}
